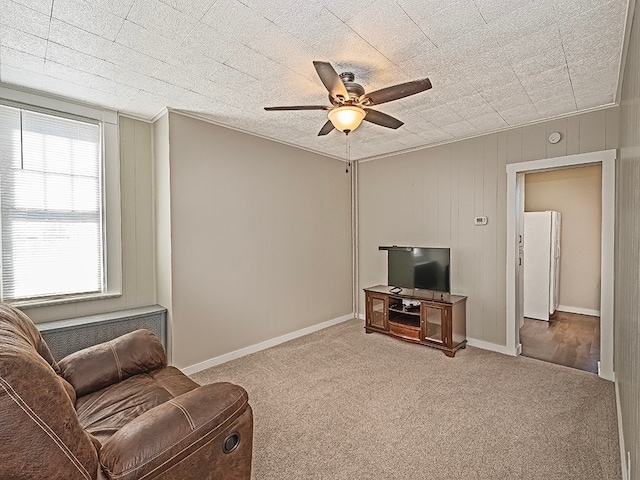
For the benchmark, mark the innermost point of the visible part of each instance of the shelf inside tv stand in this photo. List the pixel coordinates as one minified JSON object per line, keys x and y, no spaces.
{"x":404,"y":318}
{"x":429,"y":318}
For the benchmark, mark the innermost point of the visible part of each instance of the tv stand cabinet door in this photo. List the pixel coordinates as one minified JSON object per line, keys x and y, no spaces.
{"x":434,"y":323}
{"x":377,"y":311}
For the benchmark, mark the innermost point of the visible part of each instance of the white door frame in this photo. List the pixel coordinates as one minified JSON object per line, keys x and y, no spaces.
{"x":515,"y":211}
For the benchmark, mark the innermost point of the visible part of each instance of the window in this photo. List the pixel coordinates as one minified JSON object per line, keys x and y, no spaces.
{"x":51,"y":202}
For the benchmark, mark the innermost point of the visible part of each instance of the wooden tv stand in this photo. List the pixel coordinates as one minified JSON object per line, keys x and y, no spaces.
{"x":429,"y":318}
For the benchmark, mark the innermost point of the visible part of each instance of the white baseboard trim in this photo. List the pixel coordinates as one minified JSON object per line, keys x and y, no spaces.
{"x":579,"y":311}
{"x":212,"y":362}
{"x":494,"y":347}
{"x":623,"y":451}
{"x":361,"y":316}
{"x":607,"y":375}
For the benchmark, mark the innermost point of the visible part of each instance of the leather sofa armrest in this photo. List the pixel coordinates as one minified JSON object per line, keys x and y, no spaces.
{"x":102,"y":365}
{"x":186,"y":433}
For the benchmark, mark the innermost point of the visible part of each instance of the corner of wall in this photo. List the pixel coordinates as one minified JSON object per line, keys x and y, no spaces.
{"x":162,"y":220}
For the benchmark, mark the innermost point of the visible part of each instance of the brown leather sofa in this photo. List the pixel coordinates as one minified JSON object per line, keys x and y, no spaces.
{"x":113,"y":411}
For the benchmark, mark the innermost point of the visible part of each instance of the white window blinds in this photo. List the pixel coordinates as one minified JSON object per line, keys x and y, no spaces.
{"x":51,"y":204}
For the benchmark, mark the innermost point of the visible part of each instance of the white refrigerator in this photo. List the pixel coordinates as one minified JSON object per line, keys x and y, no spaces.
{"x":541,"y":264}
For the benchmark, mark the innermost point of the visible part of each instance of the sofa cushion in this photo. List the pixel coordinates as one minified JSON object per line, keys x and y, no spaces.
{"x":173,"y":380}
{"x":101,"y":365}
{"x":104,"y":412}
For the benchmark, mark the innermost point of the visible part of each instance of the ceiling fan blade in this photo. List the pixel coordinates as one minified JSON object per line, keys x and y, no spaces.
{"x":299,"y":107}
{"x":383,"y":119}
{"x":397,"y":91}
{"x":326,"y":128}
{"x":331,"y":79}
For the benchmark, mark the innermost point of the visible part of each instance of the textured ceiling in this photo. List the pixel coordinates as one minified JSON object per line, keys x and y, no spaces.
{"x":493,"y":63}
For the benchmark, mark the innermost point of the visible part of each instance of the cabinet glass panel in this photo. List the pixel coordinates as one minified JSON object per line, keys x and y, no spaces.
{"x":433,"y":321}
{"x":377,"y":312}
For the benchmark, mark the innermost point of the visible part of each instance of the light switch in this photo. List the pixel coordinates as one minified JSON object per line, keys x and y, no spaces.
{"x":480,"y":220}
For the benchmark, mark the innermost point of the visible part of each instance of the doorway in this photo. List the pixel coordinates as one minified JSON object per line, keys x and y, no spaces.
{"x":515,"y":220}
{"x":562,"y":234}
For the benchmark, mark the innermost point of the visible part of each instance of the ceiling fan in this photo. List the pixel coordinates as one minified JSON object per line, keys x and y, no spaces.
{"x":350,"y":104}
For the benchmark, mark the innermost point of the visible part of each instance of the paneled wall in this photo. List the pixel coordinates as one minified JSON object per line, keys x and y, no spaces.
{"x":430,"y":197}
{"x":137,"y":211}
{"x":627,"y":302}
{"x":260,"y":239}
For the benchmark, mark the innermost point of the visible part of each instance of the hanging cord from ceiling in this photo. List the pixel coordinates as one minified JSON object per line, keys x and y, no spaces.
{"x":348,"y":153}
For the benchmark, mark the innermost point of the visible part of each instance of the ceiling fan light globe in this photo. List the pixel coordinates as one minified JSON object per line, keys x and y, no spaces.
{"x":347,"y":117}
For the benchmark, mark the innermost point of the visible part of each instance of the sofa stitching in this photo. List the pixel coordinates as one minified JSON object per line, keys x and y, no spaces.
{"x":115,"y":355}
{"x":132,"y":469}
{"x":17,"y":399}
{"x":186,"y":414}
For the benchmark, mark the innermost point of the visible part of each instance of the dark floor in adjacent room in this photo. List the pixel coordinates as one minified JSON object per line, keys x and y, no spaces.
{"x":567,"y":339}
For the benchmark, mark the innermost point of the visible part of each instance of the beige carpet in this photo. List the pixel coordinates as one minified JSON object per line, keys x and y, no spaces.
{"x":341,"y":404}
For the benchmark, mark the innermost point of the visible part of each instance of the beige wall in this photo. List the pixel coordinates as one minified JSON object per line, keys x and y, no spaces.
{"x":577,"y":194}
{"x":429,"y":198}
{"x":138,"y":266}
{"x":260,"y":239}
{"x":627,"y":269}
{"x":162,"y":195}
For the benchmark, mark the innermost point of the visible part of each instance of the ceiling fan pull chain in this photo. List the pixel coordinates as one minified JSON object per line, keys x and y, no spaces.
{"x":348,"y":152}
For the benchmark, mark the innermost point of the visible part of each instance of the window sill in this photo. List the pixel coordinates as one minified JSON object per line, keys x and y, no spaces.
{"x":47,"y":302}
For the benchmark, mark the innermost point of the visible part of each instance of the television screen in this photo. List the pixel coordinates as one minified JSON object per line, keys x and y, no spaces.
{"x":419,"y":267}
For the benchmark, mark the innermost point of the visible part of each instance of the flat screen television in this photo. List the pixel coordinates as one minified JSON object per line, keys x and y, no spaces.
{"x":419,"y":267}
